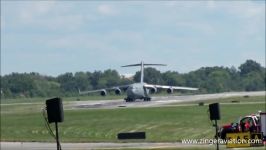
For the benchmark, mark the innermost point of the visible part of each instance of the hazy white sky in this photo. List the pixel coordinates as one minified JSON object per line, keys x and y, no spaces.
{"x":52,"y":37}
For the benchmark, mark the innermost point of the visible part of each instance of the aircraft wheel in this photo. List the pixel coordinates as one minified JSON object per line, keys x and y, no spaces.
{"x":126,"y":99}
{"x":129,"y":99}
{"x":147,"y":99}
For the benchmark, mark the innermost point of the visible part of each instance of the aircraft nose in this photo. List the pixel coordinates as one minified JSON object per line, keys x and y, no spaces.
{"x":131,"y":91}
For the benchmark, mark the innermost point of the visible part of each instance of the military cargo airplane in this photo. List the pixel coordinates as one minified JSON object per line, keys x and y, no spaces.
{"x":139,"y":90}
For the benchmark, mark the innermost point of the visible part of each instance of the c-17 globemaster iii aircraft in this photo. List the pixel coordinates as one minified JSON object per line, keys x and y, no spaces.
{"x":139,"y":90}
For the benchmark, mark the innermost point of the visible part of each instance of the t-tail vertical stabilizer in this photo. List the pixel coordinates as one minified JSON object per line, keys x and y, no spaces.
{"x":142,"y":64}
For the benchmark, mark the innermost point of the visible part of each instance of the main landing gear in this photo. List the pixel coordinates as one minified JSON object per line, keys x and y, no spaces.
{"x":128,"y":99}
{"x":147,"y":99}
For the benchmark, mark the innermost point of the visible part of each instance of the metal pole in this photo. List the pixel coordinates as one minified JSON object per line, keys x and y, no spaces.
{"x":57,"y":137}
{"x":216,"y":135}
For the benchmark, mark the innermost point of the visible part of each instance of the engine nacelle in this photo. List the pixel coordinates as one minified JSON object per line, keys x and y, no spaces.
{"x":103,"y":92}
{"x":117,"y":91}
{"x":170,"y":91}
{"x":153,"y":90}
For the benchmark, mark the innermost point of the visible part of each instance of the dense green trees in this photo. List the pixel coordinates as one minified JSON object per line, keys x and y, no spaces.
{"x":151,"y":76}
{"x":250,"y":76}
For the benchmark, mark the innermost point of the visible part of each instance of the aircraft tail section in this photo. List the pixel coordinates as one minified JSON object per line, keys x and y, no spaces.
{"x":133,"y":65}
{"x":142,"y":68}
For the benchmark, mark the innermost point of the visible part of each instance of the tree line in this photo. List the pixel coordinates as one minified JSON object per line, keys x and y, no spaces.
{"x":249,"y":76}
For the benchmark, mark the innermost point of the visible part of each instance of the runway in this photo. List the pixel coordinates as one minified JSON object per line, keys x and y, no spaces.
{"x":93,"y":146}
{"x":105,"y":146}
{"x":157,"y":101}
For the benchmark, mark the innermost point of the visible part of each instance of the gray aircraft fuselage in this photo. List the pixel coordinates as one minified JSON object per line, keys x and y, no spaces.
{"x":137,"y":91}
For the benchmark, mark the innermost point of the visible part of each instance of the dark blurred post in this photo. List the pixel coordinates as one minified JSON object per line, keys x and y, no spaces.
{"x":216,"y":135}
{"x":57,"y":137}
{"x":214,"y":110}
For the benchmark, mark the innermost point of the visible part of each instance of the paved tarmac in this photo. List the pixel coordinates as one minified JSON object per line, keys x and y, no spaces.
{"x":106,"y":146}
{"x":158,"y":101}
{"x":91,"y":146}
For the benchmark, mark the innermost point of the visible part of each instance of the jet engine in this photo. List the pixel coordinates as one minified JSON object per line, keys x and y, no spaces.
{"x":170,"y":91}
{"x":153,"y":90}
{"x":117,"y":91}
{"x":103,"y":92}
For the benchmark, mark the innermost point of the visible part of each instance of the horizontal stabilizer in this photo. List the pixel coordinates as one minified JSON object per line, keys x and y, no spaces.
{"x":154,"y":64}
{"x":144,"y":65}
{"x":131,"y":65}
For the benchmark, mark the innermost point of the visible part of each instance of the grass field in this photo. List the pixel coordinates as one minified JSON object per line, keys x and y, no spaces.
{"x":75,"y":98}
{"x":23,"y":122}
{"x":233,"y":100}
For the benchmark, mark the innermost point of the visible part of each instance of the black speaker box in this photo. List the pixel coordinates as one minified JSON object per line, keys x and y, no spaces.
{"x":55,"y":110}
{"x":132,"y":135}
{"x":214,"y":111}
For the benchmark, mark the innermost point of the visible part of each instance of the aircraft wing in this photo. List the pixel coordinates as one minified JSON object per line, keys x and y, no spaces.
{"x":87,"y":92}
{"x":117,"y":90}
{"x":170,"y":87}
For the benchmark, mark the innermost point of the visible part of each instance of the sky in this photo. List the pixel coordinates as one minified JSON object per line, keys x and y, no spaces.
{"x":55,"y":37}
